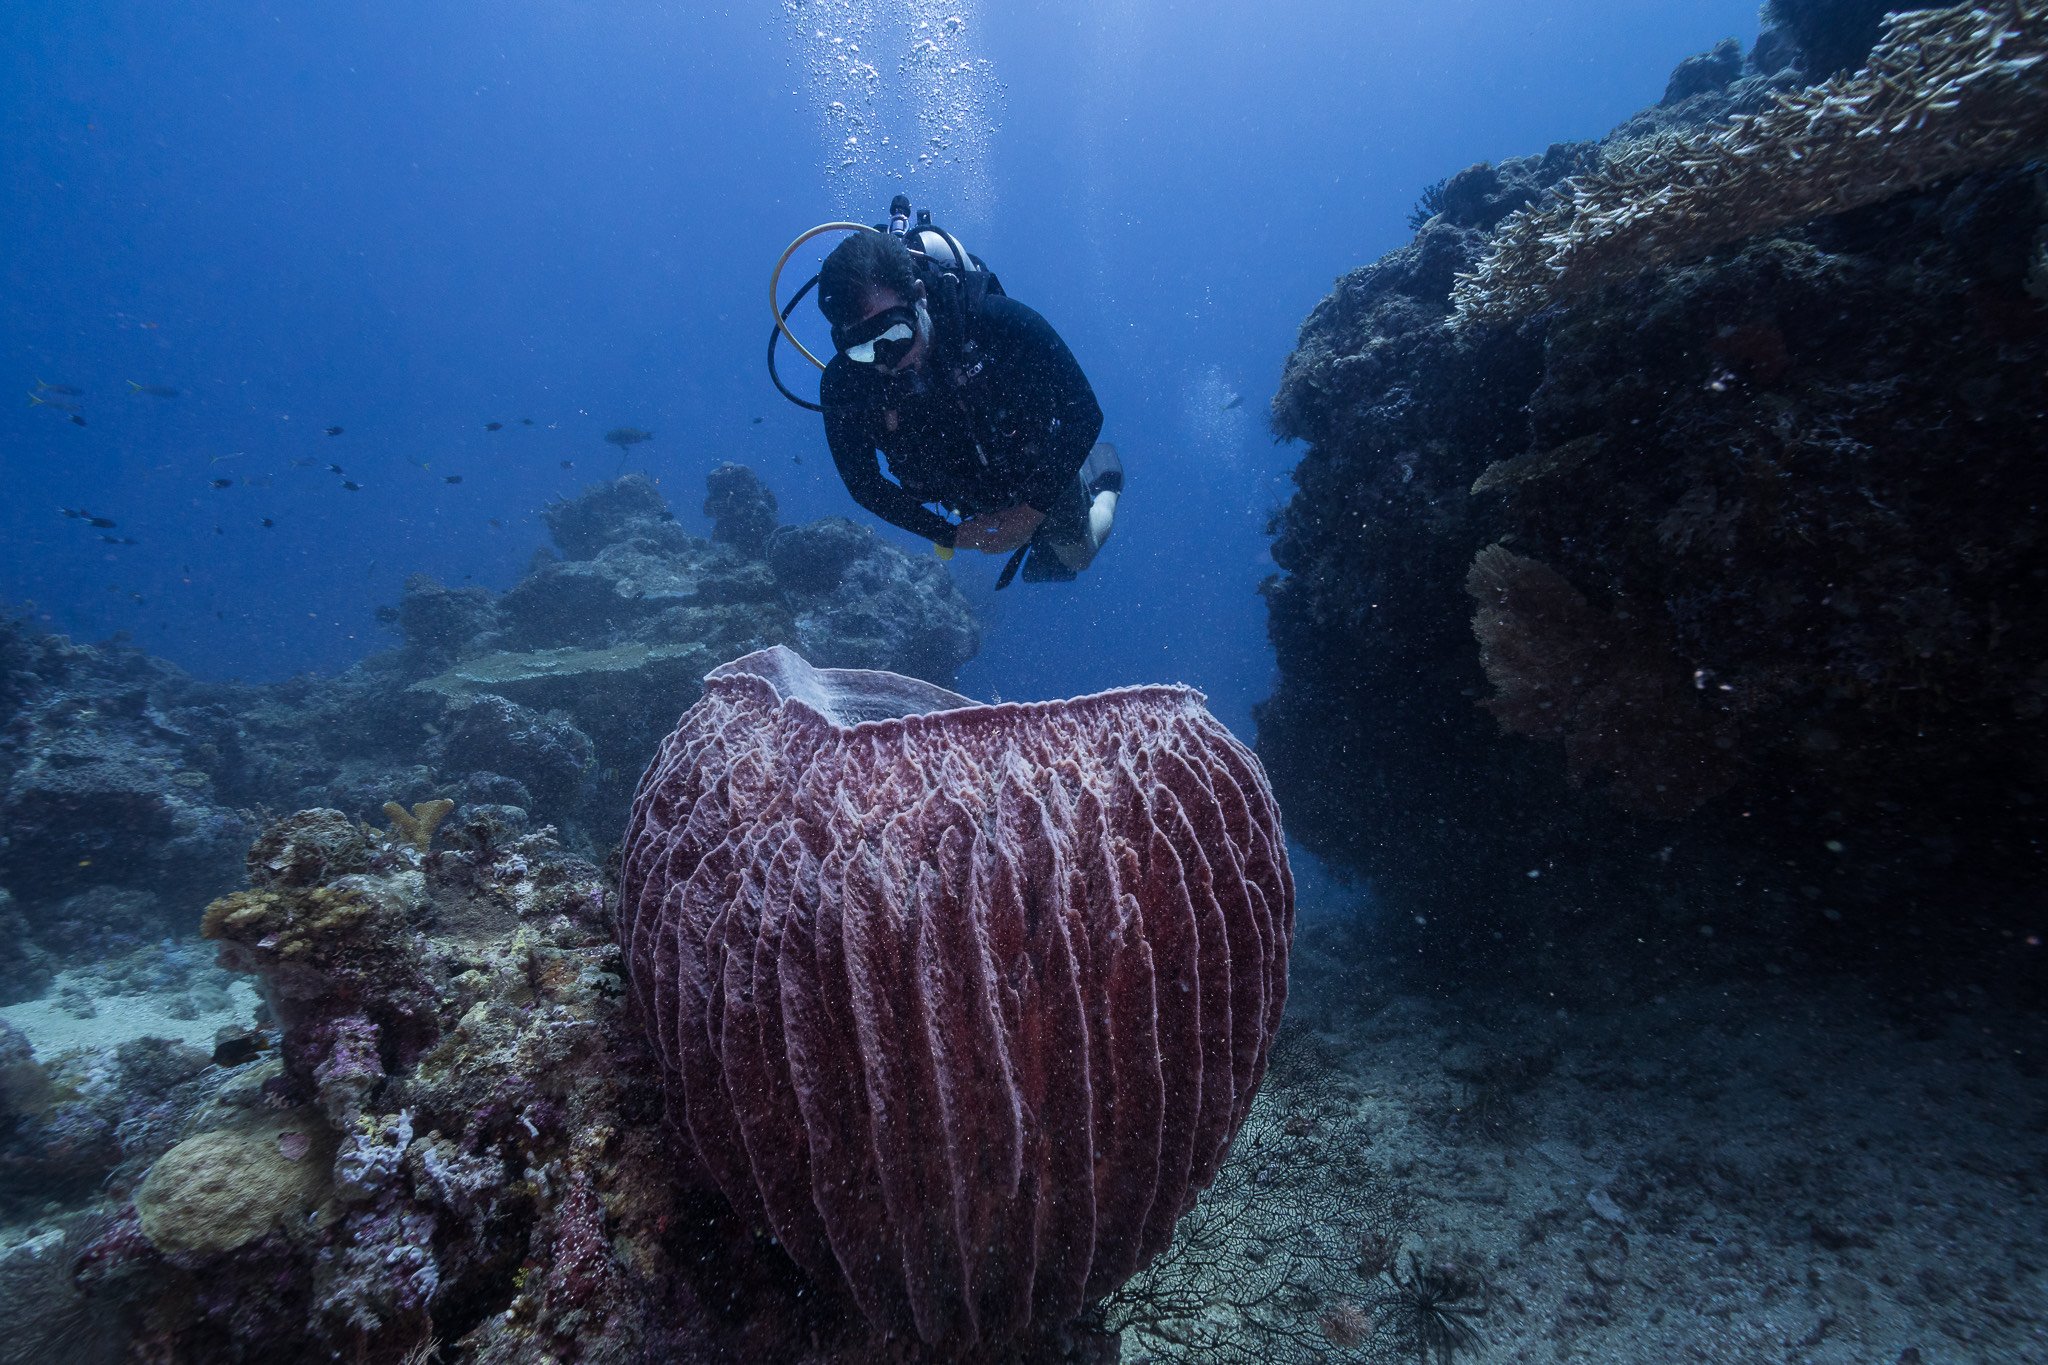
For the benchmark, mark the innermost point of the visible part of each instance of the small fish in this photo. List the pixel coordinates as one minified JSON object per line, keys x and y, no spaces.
{"x":104,"y":523}
{"x":798,"y":458}
{"x":494,"y":426}
{"x":303,"y":462}
{"x":568,"y":464}
{"x":333,"y":431}
{"x":759,"y":420}
{"x":351,"y":485}
{"x":526,"y":421}
{"x":623,"y":437}
{"x":136,"y":597}
{"x":231,"y":455}
{"x":76,"y":420}
{"x":36,"y":400}
{"x":219,"y":532}
{"x":451,"y":478}
{"x":118,"y":540}
{"x":495,"y":524}
{"x":1236,"y":401}
{"x":153,"y":390}
{"x":222,"y":483}
{"x":61,"y":390}
{"x":334,"y":469}
{"x":74,"y":511}
{"x":268,"y":523}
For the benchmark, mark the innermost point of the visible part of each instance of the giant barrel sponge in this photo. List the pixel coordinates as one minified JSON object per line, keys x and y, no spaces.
{"x":965,"y":1001}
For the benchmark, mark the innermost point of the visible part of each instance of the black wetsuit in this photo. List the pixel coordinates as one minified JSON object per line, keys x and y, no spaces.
{"x":998,"y":414}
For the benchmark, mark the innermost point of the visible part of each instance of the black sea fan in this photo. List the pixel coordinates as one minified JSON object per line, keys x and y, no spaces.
{"x":1434,"y":1304}
{"x":1427,"y":205}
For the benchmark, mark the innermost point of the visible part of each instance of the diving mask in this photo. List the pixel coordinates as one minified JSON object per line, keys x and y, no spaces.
{"x":883,"y":339}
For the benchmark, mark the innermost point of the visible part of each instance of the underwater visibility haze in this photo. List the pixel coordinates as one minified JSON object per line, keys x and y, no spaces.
{"x":1511,"y":828}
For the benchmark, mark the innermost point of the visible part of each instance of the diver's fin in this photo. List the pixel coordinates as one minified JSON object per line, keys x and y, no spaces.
{"x":1047,"y":566}
{"x":1010,"y":569}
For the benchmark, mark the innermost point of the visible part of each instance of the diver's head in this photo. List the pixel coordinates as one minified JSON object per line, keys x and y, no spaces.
{"x":869,"y":291}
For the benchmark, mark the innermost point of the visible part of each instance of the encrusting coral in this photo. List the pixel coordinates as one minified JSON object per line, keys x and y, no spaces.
{"x":1946,"y":92}
{"x":419,"y":824}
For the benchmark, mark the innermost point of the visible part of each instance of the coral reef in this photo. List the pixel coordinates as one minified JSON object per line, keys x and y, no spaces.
{"x":108,"y":774}
{"x":741,"y":508}
{"x":1829,"y":35}
{"x":456,"y":1139}
{"x":872,"y":926}
{"x":129,"y":791}
{"x":116,"y":800}
{"x":1749,"y":540}
{"x":1946,"y":92}
{"x":85,"y":1120}
{"x":1562,"y":670}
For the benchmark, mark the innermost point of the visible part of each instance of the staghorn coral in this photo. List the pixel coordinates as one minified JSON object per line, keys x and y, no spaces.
{"x":417,"y":826}
{"x":1946,"y":92}
{"x":872,"y":925}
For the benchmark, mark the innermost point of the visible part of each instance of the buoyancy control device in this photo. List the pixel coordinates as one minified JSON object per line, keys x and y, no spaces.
{"x":948,"y":269}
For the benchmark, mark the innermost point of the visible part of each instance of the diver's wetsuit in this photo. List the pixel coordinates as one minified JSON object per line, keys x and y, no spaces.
{"x":998,"y":414}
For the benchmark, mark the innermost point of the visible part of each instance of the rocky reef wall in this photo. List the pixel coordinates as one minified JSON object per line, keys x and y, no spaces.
{"x":1719,"y":585}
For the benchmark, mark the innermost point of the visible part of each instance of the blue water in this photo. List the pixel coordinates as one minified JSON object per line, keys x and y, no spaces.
{"x":411,"y":221}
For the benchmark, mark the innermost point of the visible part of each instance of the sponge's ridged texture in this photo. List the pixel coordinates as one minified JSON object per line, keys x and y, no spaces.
{"x":966,"y":1001}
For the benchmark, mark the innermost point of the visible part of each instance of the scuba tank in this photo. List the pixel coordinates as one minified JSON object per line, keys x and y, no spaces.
{"x":948,"y":269}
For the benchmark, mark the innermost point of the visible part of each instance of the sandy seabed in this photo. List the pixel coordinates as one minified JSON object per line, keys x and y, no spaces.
{"x":1782,"y":1171}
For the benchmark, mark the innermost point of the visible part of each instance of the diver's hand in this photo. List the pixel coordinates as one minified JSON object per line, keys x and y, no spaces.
{"x":999,"y":533}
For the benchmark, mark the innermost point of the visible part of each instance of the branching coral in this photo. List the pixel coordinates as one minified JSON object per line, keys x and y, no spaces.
{"x":1946,"y":92}
{"x":418,"y":825}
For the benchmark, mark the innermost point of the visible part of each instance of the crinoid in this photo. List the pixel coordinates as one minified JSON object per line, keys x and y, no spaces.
{"x":1434,"y":1303}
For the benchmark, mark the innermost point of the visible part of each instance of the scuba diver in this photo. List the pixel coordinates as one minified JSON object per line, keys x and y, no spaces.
{"x":975,"y":399}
